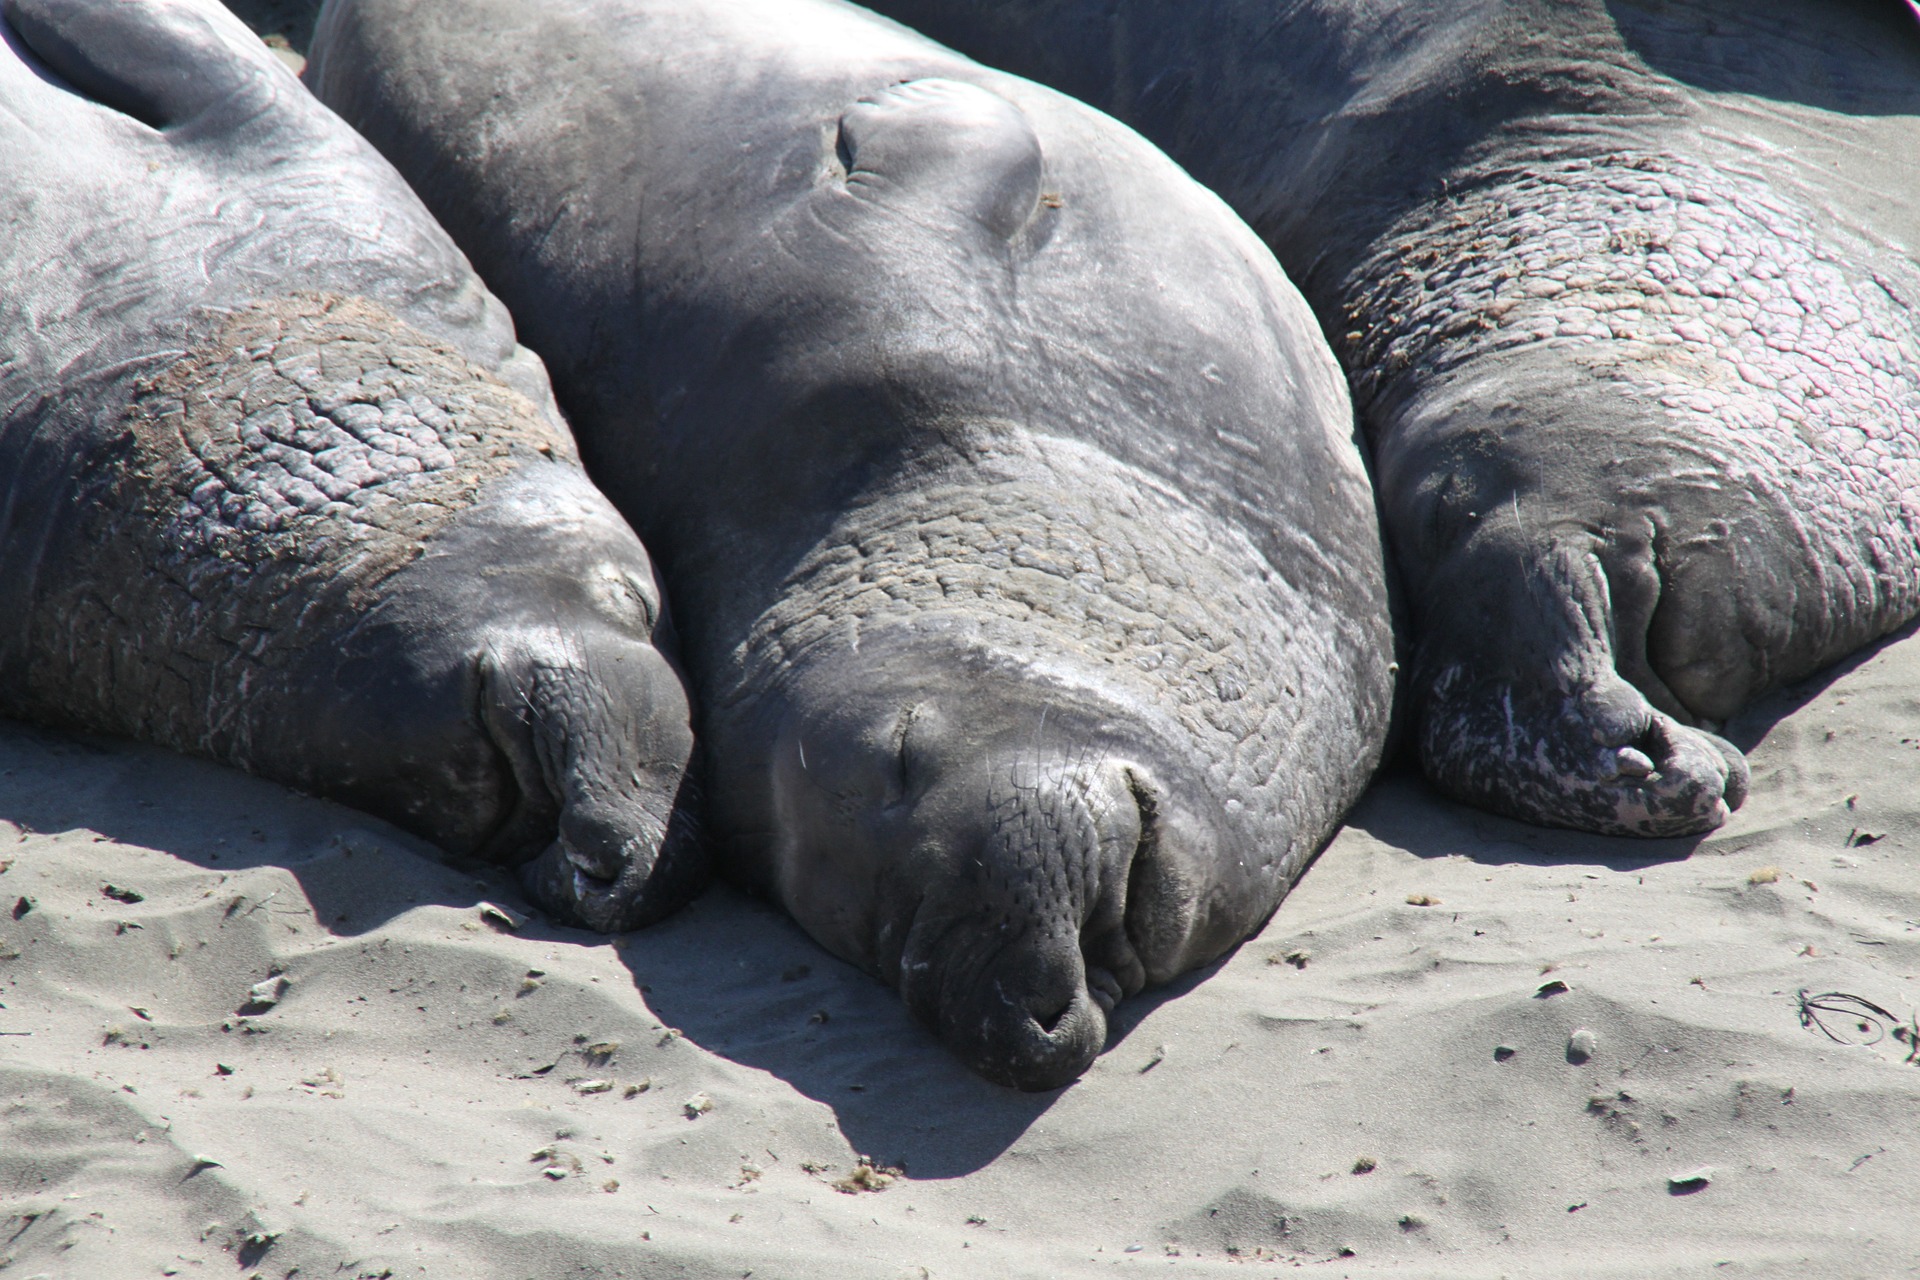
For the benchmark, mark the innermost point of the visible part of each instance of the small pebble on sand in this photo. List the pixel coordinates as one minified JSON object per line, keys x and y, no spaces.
{"x":1690,"y":1180}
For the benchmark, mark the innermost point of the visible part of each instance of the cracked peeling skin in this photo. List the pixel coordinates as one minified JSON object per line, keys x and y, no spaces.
{"x":1100,"y":714}
{"x":1061,"y":559}
{"x":288,"y":506}
{"x":1621,"y":291}
{"x":331,"y":532}
{"x":269,"y":484}
{"x":1726,"y":454}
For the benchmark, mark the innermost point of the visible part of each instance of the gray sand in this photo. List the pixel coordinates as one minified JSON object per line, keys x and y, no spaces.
{"x":408,"y":1100}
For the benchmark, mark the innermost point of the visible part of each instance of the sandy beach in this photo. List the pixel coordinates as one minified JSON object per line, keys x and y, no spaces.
{"x":246,"y":1032}
{"x":247,"y":1027}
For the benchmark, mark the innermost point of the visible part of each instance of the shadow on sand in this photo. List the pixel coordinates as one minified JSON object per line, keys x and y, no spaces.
{"x":734,"y":976}
{"x":739,"y":979}
{"x":356,"y":871}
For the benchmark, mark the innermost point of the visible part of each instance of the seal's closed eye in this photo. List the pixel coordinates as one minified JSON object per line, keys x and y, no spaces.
{"x":935,"y":145}
{"x":159,"y":63}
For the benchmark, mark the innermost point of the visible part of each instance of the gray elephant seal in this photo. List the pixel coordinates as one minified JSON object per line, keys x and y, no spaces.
{"x":278,"y":487}
{"x":1627,"y":294}
{"x":1032,"y":593}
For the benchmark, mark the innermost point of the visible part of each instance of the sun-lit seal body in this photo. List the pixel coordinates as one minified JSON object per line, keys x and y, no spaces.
{"x":1627,"y":293}
{"x":1008,"y":500}
{"x":278,"y":487}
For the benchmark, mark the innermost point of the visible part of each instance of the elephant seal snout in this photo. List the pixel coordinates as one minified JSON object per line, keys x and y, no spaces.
{"x":1007,"y":496}
{"x":1020,"y":739}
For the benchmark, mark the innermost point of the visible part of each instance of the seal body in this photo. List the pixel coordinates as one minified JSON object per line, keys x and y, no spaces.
{"x":278,"y":486}
{"x":1032,"y":595}
{"x":1626,"y":292}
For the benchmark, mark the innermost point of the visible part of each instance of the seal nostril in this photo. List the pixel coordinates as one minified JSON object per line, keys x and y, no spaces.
{"x":1049,"y":1017}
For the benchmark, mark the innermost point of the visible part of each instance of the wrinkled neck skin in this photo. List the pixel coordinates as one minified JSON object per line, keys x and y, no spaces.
{"x":321,"y":547}
{"x":1028,"y":737}
{"x":1705,"y":341}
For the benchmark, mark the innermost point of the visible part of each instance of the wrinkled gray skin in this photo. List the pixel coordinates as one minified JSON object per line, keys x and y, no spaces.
{"x":1626,"y":293}
{"x":268,"y":491}
{"x":1031,"y":592}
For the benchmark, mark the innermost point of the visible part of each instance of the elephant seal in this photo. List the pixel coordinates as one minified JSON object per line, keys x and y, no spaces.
{"x":1626,"y":292}
{"x":278,"y":487}
{"x":1032,"y":594}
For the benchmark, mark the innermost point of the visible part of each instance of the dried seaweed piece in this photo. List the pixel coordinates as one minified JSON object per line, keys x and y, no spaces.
{"x":866,"y":1176}
{"x":1860,"y":1021}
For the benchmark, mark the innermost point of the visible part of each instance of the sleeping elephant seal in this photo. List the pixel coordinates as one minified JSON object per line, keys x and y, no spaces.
{"x":278,"y":487}
{"x":1032,"y":595}
{"x":1626,"y":292}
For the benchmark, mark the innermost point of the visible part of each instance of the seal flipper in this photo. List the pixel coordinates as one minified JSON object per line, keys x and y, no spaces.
{"x":1530,"y":715}
{"x":935,"y":147}
{"x":160,"y":63}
